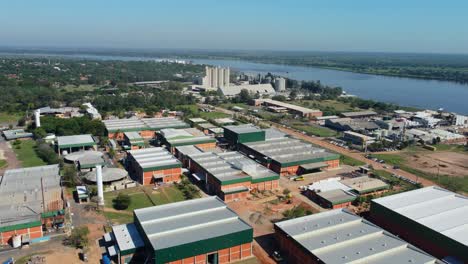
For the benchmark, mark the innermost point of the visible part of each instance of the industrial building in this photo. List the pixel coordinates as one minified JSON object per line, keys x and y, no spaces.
{"x":346,"y":124}
{"x":85,"y":160}
{"x":146,"y":127}
{"x":330,"y":193}
{"x":216,"y":77}
{"x":196,"y":120}
{"x":230,"y":175}
{"x":364,"y":185}
{"x":288,"y":156}
{"x":153,"y":165}
{"x":263,"y":89}
{"x":339,"y":236}
{"x":75,"y":143}
{"x":205,"y":127}
{"x":173,"y":138}
{"x":432,"y":218}
{"x":359,"y":114}
{"x":92,"y":112}
{"x":280,"y":84}
{"x":14,"y":134}
{"x":357,"y":138}
{"x":133,"y":140}
{"x":224,"y":121}
{"x":30,"y":201}
{"x":293,"y":109}
{"x":243,"y":134}
{"x":202,"y":230}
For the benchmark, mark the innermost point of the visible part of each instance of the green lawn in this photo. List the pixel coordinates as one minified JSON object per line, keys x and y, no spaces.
{"x":326,"y":104}
{"x":26,"y":153}
{"x":9,"y":118}
{"x":3,"y":163}
{"x":351,"y":161}
{"x":119,"y":218}
{"x":393,"y":159}
{"x":315,"y":130}
{"x":194,"y":109}
{"x":139,"y":199}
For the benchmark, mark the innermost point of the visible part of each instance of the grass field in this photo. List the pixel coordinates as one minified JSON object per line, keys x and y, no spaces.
{"x":326,"y":104}
{"x":350,"y":161}
{"x":26,"y":153}
{"x":452,"y":183}
{"x":139,"y":199}
{"x":205,"y":115}
{"x":81,"y":88}
{"x":9,"y":118}
{"x":3,"y":163}
{"x":315,"y":130}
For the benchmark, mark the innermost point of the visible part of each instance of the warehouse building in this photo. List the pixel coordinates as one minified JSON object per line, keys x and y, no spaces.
{"x":231,"y":175}
{"x":133,"y":140}
{"x":293,"y":109}
{"x":14,"y":134}
{"x":339,"y":236}
{"x":173,"y":138}
{"x":75,"y":143}
{"x":359,"y":114}
{"x":431,"y":218}
{"x":146,"y":127}
{"x":152,"y":166}
{"x":243,"y":134}
{"x":224,"y":121}
{"x":205,"y":127}
{"x":349,"y":124}
{"x":365,"y":185}
{"x":202,"y":230}
{"x":330,"y":193}
{"x":288,"y":156}
{"x":357,"y":138}
{"x":30,"y":200}
{"x":196,"y":120}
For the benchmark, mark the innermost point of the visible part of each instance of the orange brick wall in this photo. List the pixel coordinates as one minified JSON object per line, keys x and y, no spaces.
{"x":34,"y":232}
{"x":116,"y":136}
{"x":147,"y":134}
{"x":206,"y":145}
{"x":343,"y":205}
{"x":170,"y":175}
{"x":226,"y":255}
{"x":333,"y":164}
{"x":268,"y":185}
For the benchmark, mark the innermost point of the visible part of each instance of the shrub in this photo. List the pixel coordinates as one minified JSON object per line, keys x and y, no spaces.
{"x":78,"y":237}
{"x":122,"y":201}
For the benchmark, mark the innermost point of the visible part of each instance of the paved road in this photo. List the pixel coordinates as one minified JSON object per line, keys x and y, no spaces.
{"x":325,"y":144}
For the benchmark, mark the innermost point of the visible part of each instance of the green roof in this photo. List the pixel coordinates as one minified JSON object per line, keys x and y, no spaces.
{"x":21,"y":226}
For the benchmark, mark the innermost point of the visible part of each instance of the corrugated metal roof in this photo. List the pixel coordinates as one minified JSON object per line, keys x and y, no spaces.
{"x":338,"y":236}
{"x":152,"y":157}
{"x":185,"y":222}
{"x":246,"y":128}
{"x":75,"y":140}
{"x":364,"y":183}
{"x":441,"y":210}
{"x":143,"y":123}
{"x":127,"y":237}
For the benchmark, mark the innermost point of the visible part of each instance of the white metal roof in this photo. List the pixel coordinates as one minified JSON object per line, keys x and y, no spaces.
{"x":441,"y":210}
{"x":152,"y":157}
{"x":338,"y":236}
{"x":290,"y":106}
{"x":185,"y":222}
{"x":127,"y":237}
{"x":75,"y":139}
{"x":328,"y":185}
{"x":246,"y":128}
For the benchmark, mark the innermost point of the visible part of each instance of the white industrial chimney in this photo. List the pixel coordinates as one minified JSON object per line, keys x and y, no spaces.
{"x":100,"y":187}
{"x":37,"y":116}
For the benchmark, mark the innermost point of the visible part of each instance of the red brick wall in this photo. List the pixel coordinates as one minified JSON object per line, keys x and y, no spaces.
{"x":268,"y":185}
{"x":170,"y":175}
{"x":333,"y":164}
{"x":34,"y":232}
{"x":147,"y":134}
{"x":294,"y":253}
{"x":206,"y":145}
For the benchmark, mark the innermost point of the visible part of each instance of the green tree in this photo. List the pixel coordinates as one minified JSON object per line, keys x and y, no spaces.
{"x":122,"y":201}
{"x":70,"y":175}
{"x":78,"y":237}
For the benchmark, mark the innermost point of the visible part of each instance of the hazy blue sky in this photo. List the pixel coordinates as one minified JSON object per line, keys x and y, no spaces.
{"x":345,"y":25}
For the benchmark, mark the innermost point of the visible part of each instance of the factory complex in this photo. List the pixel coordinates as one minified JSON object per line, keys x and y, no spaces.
{"x":146,"y":127}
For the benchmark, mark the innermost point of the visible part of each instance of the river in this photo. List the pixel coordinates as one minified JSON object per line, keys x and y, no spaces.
{"x":430,"y":94}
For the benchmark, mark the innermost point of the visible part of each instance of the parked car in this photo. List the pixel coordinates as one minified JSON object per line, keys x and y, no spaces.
{"x":277,"y":256}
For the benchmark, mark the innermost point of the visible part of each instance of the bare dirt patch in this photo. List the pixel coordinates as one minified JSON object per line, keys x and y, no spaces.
{"x":445,"y":163}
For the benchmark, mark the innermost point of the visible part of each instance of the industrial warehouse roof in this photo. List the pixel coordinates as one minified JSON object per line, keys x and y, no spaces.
{"x":86,"y":159}
{"x":205,"y":125}
{"x":137,"y":124}
{"x":328,"y":185}
{"x":263,"y":88}
{"x":197,"y":120}
{"x":108,"y":175}
{"x":289,"y":152}
{"x":22,"y":192}
{"x":154,"y":158}
{"x":231,"y":167}
{"x":127,"y":237}
{"x":246,"y":128}
{"x":273,"y":133}
{"x":75,"y":141}
{"x":338,"y":236}
{"x":188,"y":136}
{"x":176,"y":224}
{"x":16,"y":133}
{"x":358,"y":114}
{"x":337,"y":196}
{"x":436,"y":208}
{"x":365,"y":184}
{"x":133,"y":136}
{"x":224,"y":121}
{"x":188,"y":150}
{"x":289,"y":106}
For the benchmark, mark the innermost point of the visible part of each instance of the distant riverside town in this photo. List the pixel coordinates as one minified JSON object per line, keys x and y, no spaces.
{"x":249,"y":169}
